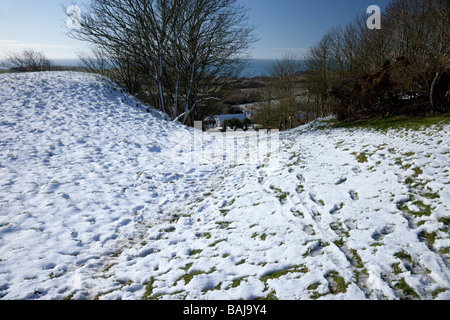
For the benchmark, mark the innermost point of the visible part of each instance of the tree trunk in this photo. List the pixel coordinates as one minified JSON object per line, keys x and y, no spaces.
{"x":433,"y":85}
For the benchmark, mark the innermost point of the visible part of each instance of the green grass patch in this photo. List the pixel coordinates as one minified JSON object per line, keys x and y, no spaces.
{"x":402,"y":255}
{"x":396,"y":268}
{"x":396,"y":122}
{"x":406,"y":166}
{"x":409,"y":154}
{"x":425,"y":209}
{"x":336,"y":283}
{"x":187,"y":266}
{"x":361,"y":157}
{"x":148,"y":294}
{"x":189,"y":276}
{"x":417,"y":172}
{"x":445,"y":220}
{"x":70,"y":296}
{"x":236,"y":282}
{"x":240,"y":262}
{"x":271,"y":296}
{"x":339,"y":243}
{"x":356,"y":259}
{"x":282,"y":196}
{"x":429,"y":237}
{"x":436,"y":292}
{"x":195,"y":251}
{"x":313,"y":286}
{"x":207,"y":235}
{"x":217,"y":242}
{"x":408,"y":291}
{"x":279,"y":273}
{"x":431,"y":195}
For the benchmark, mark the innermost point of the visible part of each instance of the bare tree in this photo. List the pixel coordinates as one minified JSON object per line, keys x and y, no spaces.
{"x":438,"y":49}
{"x":128,"y":27}
{"x":213,"y":41}
{"x":185,"y":48}
{"x":320,"y":70}
{"x":285,"y":79}
{"x":28,"y":61}
{"x":267,"y":114}
{"x":117,"y":67}
{"x":95,"y":62}
{"x":422,"y":35}
{"x":278,"y":105}
{"x":403,"y":66}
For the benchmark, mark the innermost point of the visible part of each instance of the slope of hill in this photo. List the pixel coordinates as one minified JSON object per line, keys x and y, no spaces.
{"x":100,"y":199}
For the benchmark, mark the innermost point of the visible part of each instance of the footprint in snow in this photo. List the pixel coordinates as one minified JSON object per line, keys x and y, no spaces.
{"x":312,"y":196}
{"x":138,"y":208}
{"x":315,"y":214}
{"x":80,"y":140}
{"x":50,"y":187}
{"x":353,"y":195}
{"x":309,"y":230}
{"x":381,"y":233}
{"x":296,"y":213}
{"x":124,"y":222}
{"x":336,"y":208}
{"x":356,"y":170}
{"x":315,"y":249}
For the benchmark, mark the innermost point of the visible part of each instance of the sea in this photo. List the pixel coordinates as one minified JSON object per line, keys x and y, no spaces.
{"x":257,"y":67}
{"x":254,"y":67}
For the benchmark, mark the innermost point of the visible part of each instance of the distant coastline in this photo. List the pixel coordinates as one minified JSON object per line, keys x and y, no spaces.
{"x":254,"y":68}
{"x":259,"y":67}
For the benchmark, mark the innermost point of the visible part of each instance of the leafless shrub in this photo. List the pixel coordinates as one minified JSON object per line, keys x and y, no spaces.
{"x":27,"y":61}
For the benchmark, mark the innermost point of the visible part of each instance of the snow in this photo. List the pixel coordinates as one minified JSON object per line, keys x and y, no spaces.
{"x":100,"y":199}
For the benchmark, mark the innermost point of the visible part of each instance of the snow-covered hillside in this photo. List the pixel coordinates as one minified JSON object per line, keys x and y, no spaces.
{"x":100,"y":199}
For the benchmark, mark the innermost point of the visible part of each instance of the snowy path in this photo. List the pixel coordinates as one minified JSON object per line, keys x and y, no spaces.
{"x":320,"y":224}
{"x":99,"y":199}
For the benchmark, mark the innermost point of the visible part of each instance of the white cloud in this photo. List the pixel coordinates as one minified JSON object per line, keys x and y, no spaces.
{"x":52,"y":51}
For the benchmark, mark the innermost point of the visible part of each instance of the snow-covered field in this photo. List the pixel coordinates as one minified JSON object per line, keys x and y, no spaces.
{"x":100,"y":199}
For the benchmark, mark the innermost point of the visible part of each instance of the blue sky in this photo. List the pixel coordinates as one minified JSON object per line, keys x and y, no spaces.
{"x":37,"y":24}
{"x":282,"y":25}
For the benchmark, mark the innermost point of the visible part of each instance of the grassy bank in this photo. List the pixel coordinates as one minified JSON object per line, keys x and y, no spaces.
{"x":396,"y":122}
